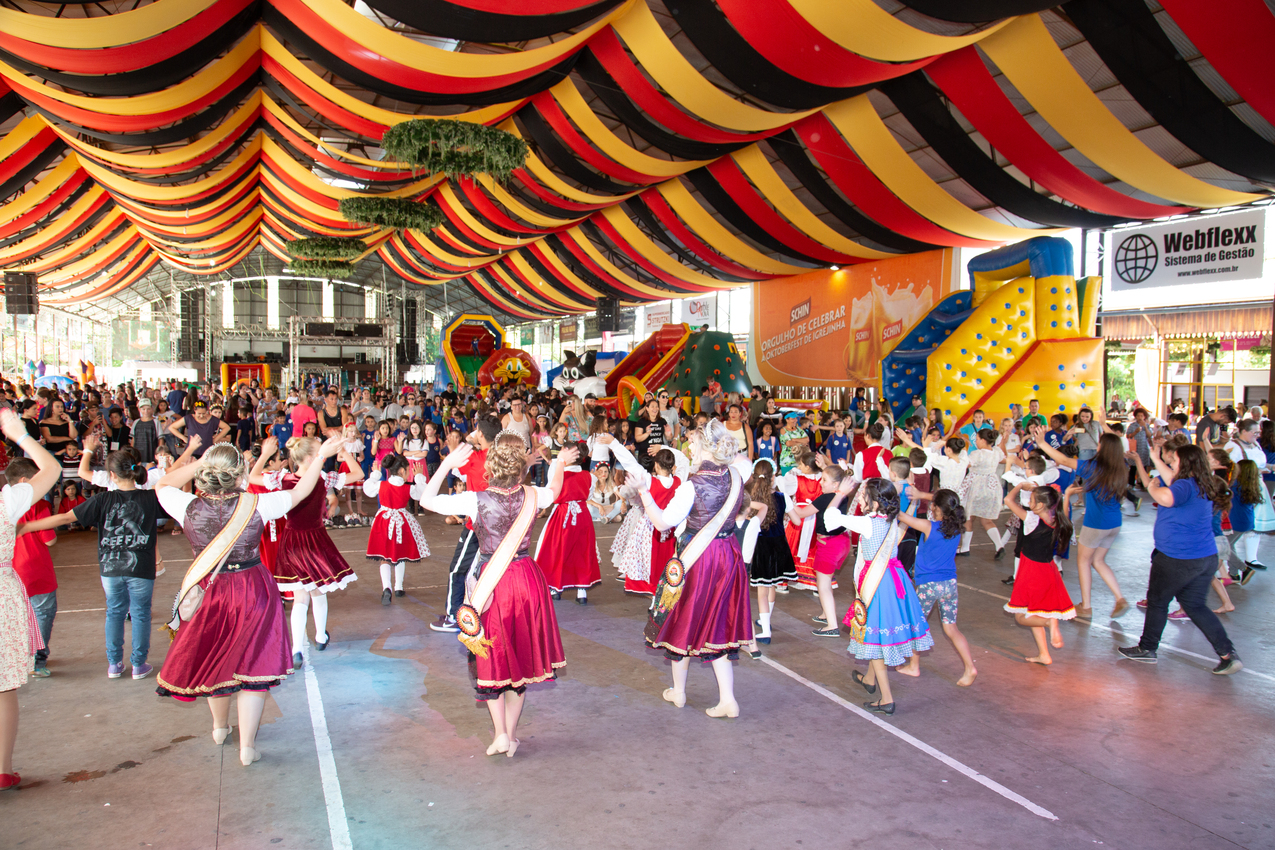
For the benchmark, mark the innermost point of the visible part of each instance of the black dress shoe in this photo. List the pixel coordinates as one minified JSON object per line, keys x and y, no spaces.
{"x":1255,"y":565}
{"x":298,"y":661}
{"x":877,"y":708}
{"x":324,"y":645}
{"x":555,"y":594}
{"x":582,"y":600}
{"x":1009,"y":580}
{"x":857,"y":675}
{"x":1000,"y":553}
{"x":400,"y":593}
{"x":764,"y":640}
{"x":386,"y":596}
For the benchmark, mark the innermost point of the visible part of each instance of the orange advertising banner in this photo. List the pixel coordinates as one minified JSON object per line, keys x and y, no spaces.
{"x":832,"y":328}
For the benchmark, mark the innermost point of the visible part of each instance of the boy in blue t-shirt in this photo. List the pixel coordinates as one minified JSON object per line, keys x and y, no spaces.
{"x":839,"y":446}
{"x":368,"y":435}
{"x":281,"y":430}
{"x":1057,"y":436}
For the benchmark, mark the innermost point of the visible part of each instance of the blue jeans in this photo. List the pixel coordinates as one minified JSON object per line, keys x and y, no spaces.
{"x":46,"y":608}
{"x":133,"y":595}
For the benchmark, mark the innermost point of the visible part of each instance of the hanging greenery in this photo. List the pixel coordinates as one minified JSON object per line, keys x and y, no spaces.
{"x":327,"y":248}
{"x":445,"y":146}
{"x":338,"y":269}
{"x":398,"y":213}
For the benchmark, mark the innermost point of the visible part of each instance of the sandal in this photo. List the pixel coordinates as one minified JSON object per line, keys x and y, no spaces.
{"x":858,"y":678}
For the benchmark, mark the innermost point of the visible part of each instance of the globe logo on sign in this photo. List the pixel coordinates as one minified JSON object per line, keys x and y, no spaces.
{"x":1136,"y":258}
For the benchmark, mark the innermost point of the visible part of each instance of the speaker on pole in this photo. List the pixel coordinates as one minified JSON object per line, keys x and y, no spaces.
{"x":19,"y":294}
{"x":608,"y":315}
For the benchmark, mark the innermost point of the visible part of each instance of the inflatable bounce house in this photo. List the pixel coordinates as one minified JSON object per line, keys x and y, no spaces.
{"x":1026,"y":330}
{"x":235,"y":374}
{"x":469,"y":341}
{"x":509,"y":367}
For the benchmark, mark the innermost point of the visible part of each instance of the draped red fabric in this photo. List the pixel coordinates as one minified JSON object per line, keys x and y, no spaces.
{"x":970,"y":86}
{"x":1236,"y":38}
{"x":655,"y":201}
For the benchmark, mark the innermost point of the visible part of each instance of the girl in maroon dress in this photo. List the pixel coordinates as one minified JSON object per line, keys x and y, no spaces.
{"x":396,"y":536}
{"x":520,"y":622}
{"x":568,"y":547}
{"x":643,"y":553}
{"x":309,"y":563}
{"x":267,"y":477}
{"x":712,"y":619}
{"x":237,"y":641}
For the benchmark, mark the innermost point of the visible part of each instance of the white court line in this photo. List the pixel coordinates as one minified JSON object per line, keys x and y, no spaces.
{"x":1122,"y":633}
{"x":959,"y":767}
{"x":337,"y":824}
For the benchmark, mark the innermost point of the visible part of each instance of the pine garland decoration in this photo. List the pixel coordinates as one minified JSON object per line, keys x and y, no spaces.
{"x":336,"y":269}
{"x":326,"y":248}
{"x":455,"y":148}
{"x":396,"y":213}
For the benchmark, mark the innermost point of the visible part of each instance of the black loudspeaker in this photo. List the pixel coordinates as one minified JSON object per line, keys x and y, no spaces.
{"x":286,"y":353}
{"x":371,"y":331}
{"x":320,"y":329}
{"x":19,"y":294}
{"x":608,"y":315}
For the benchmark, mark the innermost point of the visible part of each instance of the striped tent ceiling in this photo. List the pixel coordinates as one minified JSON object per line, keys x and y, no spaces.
{"x":676,"y":148}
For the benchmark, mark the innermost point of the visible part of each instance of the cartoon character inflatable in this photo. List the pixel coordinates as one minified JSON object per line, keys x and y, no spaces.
{"x":579,"y":375}
{"x":509,"y":367}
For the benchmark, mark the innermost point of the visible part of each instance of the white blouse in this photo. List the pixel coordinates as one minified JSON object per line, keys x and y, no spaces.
{"x":269,"y":505}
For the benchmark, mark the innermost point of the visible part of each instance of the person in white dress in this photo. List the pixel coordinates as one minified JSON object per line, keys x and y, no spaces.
{"x":19,"y":632}
{"x":1244,"y":446}
{"x":980,"y":492}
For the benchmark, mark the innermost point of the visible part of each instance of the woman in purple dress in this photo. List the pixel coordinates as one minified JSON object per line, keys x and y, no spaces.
{"x":712,"y":617}
{"x":237,"y":640}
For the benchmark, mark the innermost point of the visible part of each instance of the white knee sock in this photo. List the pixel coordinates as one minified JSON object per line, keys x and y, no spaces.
{"x":581,"y":593}
{"x":966,"y":537}
{"x":1250,"y":546}
{"x":996,"y":537}
{"x":400,"y":569}
{"x":764,"y":619}
{"x":1016,"y":560}
{"x":385,"y":576}
{"x":300,"y":610}
{"x":320,"y":605}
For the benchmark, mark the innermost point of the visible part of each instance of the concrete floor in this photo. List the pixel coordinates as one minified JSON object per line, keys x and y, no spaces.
{"x":1122,"y":754}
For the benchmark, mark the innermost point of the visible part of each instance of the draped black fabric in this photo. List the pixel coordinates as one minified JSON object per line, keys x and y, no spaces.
{"x":500,"y":286}
{"x":919,"y":102}
{"x":1127,"y":38}
{"x":10,"y":105}
{"x":622,"y":260}
{"x":454,"y":20}
{"x":551,"y":280}
{"x":977,"y":11}
{"x":640,"y":212}
{"x":330,"y":61}
{"x":713,"y":192}
{"x":284,"y":97}
{"x":52,"y":215}
{"x":613,"y":98}
{"x":153,"y":77}
{"x":25,"y":175}
{"x":793,"y":154}
{"x":536,"y":129}
{"x":89,"y":222}
{"x":185,"y":129}
{"x":580,"y":270}
{"x":732,"y":55}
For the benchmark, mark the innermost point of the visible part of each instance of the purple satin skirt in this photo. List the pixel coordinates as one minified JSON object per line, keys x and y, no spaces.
{"x":713,"y":616}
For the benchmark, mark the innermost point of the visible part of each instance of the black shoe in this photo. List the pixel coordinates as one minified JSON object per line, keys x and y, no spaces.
{"x":1255,"y":565}
{"x":1008,"y":581}
{"x":829,"y":632}
{"x":582,"y":600}
{"x":298,"y":661}
{"x":1000,"y":553}
{"x":400,"y":593}
{"x":1137,"y":653}
{"x":964,"y":554}
{"x":821,"y":619}
{"x":753,"y":655}
{"x":324,"y":645}
{"x":386,"y":596}
{"x":1244,"y":576}
{"x":555,"y":594}
{"x":878,"y":708}
{"x":857,"y":675}
{"x":1228,"y":665}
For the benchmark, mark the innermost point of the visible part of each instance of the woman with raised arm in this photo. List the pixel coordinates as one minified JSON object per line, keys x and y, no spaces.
{"x":236,"y":640}
{"x":711,"y":618}
{"x":507,"y":621}
{"x":19,"y":632}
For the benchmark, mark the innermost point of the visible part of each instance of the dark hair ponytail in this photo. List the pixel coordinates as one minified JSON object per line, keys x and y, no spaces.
{"x":953,"y":522}
{"x":1051,"y":500}
{"x":393,"y":464}
{"x":127,"y":463}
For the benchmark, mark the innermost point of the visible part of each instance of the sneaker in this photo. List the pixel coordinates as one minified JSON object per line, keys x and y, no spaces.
{"x":831,"y":633}
{"x":822,"y":620}
{"x":1137,"y":653}
{"x":1142,"y":604}
{"x":1179,"y":615}
{"x":1137,"y":505}
{"x":1228,"y":665}
{"x":783,"y":588}
{"x":1247,"y":574}
{"x":445,"y":623}
{"x":141,"y":671}
{"x":41,"y":672}
{"x":114,"y":671}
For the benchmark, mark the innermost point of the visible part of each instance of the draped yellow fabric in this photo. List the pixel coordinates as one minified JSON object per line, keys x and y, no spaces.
{"x":109,"y":31}
{"x":716,"y":235}
{"x":1027,"y":54}
{"x":65,"y":224}
{"x":529,"y":272}
{"x":863,"y":27}
{"x":43,"y":188}
{"x":859,"y":123}
{"x":610,"y":268}
{"x":642,"y":243}
{"x":518,"y":208}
